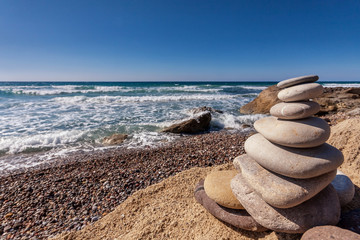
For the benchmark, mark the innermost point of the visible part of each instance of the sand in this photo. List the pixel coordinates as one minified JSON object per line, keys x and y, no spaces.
{"x":168,"y":210}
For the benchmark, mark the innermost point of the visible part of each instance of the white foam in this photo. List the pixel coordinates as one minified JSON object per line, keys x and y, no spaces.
{"x":12,"y":145}
{"x":129,"y":99}
{"x":227,"y":120}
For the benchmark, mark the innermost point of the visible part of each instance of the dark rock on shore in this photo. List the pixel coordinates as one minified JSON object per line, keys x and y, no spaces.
{"x":198,"y":123}
{"x":115,"y":139}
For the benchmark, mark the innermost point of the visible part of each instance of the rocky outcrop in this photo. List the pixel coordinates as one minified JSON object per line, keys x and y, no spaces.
{"x":115,"y":139}
{"x":334,"y":99}
{"x":198,"y":123}
{"x":262,"y":103}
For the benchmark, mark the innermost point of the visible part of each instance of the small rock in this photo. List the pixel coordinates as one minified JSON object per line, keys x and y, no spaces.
{"x":115,"y":139}
{"x":197,"y":124}
{"x":217,"y":187}
{"x":344,"y":188}
{"x":329,"y":232}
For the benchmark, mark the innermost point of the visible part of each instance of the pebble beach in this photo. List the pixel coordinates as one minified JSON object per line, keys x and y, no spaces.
{"x":40,"y":203}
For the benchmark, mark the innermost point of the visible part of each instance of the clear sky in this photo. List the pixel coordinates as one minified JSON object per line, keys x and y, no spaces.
{"x":174,"y":40}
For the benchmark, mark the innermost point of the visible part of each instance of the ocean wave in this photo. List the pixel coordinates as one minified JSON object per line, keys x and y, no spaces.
{"x":13,"y":145}
{"x":128,"y":99}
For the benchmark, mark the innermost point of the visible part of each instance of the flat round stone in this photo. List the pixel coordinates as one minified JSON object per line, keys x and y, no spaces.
{"x":237,"y":218}
{"x":277,"y":190}
{"x":297,"y":80}
{"x":329,"y":232}
{"x":217,"y":187}
{"x":344,"y":188}
{"x":322,"y":209}
{"x":301,"y":133}
{"x":293,"y":162}
{"x":294,"y":110}
{"x":301,"y":92}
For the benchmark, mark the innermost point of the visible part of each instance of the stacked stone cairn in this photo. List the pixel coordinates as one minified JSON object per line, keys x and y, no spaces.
{"x":283,"y":182}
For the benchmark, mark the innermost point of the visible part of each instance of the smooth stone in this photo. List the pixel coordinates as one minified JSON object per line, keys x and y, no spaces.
{"x":297,"y":80}
{"x":301,"y":133}
{"x":217,"y":187}
{"x":301,"y":92}
{"x":294,"y":110}
{"x":277,"y":190}
{"x":329,"y":232}
{"x":237,"y":218}
{"x":344,"y":188}
{"x":293,"y":162}
{"x":322,"y":209}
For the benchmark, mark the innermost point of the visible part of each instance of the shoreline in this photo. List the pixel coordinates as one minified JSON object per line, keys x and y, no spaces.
{"x":70,"y":195}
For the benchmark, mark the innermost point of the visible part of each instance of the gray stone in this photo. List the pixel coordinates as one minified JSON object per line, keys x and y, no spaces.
{"x":297,"y":80}
{"x":293,"y":162}
{"x":277,"y":190}
{"x":115,"y":139}
{"x":217,"y":187}
{"x":344,"y":188}
{"x":329,"y":232}
{"x":237,"y":218}
{"x":301,"y":92}
{"x":198,"y":123}
{"x":322,"y":209}
{"x":301,"y":133}
{"x":294,"y":110}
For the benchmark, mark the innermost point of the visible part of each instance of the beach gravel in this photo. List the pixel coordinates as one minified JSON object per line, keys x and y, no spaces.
{"x":37,"y":204}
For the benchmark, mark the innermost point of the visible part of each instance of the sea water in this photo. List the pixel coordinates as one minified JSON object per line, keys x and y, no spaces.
{"x":40,"y":121}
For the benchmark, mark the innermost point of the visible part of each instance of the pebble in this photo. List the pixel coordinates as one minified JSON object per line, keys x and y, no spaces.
{"x":277,"y":190}
{"x":294,"y":110}
{"x":293,"y":162}
{"x":301,"y":92}
{"x":323,"y":209}
{"x":237,"y":218}
{"x":297,"y":80}
{"x":217,"y":187}
{"x":344,"y":188}
{"x":301,"y":133}
{"x":329,"y":232}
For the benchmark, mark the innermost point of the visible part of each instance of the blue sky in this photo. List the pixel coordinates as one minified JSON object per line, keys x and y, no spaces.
{"x":170,"y":40}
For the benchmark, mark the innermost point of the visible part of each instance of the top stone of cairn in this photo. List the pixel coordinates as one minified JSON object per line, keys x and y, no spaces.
{"x":294,"y":81}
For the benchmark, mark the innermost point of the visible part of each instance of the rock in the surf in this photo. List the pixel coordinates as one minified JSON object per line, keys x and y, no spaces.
{"x":301,"y":92}
{"x":295,"y":81}
{"x":295,"y":110}
{"x":277,"y":190}
{"x":344,"y":188}
{"x":293,"y":162}
{"x":115,"y":139}
{"x":301,"y":133}
{"x":198,"y":123}
{"x":217,"y":187}
{"x":237,"y":218}
{"x":322,"y":209}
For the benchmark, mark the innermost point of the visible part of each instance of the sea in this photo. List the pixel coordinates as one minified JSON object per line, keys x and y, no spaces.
{"x":43,"y":121}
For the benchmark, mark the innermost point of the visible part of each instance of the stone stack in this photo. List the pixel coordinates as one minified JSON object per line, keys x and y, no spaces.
{"x":284,"y":179}
{"x":288,"y":181}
